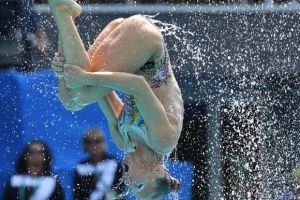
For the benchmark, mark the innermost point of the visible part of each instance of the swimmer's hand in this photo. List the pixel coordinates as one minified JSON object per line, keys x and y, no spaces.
{"x":57,"y":65}
{"x":74,"y":76}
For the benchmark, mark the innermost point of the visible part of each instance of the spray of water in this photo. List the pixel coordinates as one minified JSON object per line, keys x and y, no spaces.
{"x":242,"y":74}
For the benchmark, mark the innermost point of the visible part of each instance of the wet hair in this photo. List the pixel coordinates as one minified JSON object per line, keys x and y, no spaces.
{"x":21,"y":167}
{"x":165,"y":186}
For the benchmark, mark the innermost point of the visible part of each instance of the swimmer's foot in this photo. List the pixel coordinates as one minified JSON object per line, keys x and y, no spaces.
{"x":69,"y":7}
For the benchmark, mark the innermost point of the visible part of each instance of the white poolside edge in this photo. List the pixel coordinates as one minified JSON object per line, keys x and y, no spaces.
{"x":190,"y":8}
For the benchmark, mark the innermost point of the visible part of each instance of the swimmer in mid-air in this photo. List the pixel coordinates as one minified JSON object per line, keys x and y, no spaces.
{"x":130,"y":56}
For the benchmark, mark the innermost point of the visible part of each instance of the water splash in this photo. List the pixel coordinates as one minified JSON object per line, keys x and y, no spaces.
{"x":229,"y":63}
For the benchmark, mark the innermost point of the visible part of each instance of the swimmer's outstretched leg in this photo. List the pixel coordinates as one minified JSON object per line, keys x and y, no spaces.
{"x":64,"y":13}
{"x":71,"y":47}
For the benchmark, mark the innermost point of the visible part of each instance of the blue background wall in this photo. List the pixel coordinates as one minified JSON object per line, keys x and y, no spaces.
{"x":31,"y":109}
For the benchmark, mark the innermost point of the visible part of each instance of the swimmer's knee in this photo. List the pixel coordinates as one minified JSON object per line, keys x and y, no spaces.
{"x":115,"y":22}
{"x":120,"y":20}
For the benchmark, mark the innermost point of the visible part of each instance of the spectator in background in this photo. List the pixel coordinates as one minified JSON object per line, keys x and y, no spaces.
{"x":22,"y":35}
{"x":33,"y":178}
{"x":33,"y":34}
{"x":98,"y":177}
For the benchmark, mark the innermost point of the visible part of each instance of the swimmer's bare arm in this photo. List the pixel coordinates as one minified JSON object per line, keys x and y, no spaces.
{"x":163,"y":131}
{"x":112,"y":106}
{"x":73,"y":98}
{"x":76,"y":99}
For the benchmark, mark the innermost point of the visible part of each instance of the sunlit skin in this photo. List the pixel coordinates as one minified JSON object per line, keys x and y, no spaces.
{"x":120,"y":50}
{"x":35,"y":159}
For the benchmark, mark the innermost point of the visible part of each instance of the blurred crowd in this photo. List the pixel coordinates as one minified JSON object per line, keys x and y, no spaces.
{"x":21,"y":35}
{"x":99,"y":177}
